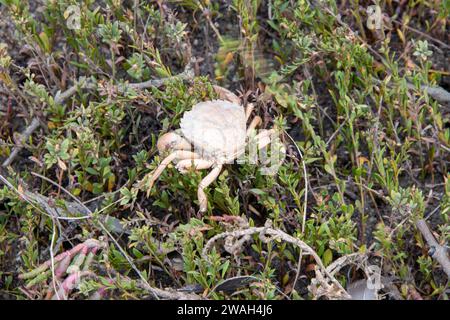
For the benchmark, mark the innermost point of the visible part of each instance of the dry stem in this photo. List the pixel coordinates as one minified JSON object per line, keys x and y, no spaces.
{"x":437,"y":252}
{"x":238,"y":237}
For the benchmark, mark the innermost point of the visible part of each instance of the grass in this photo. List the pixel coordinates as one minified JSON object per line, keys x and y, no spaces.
{"x":356,"y":100}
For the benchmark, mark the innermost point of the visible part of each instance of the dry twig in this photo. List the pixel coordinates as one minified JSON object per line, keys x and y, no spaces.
{"x":187,"y":74}
{"x":235,"y":239}
{"x":437,"y":93}
{"x":437,"y":252}
{"x":25,"y":136}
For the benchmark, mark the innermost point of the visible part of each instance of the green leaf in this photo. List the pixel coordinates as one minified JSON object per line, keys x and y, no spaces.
{"x":258,"y":192}
{"x":44,"y":40}
{"x":91,"y":171}
{"x":327,"y":257}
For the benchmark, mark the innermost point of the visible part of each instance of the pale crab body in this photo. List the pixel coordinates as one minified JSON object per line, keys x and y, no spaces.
{"x":212,"y":134}
{"x":216,"y":129}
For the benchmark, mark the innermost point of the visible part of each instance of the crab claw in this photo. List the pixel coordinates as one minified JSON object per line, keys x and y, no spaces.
{"x":172,"y":141}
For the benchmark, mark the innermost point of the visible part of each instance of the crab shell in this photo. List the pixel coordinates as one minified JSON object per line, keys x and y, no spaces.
{"x":216,"y":129}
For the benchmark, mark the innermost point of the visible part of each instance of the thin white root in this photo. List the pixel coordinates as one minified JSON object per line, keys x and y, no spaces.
{"x":360,"y":289}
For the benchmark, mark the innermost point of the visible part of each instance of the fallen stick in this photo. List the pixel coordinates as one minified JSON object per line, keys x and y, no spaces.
{"x":437,"y":252}
{"x":188,"y":73}
{"x":234,"y":239}
{"x":437,"y":93}
{"x":35,"y":123}
{"x":169,"y":294}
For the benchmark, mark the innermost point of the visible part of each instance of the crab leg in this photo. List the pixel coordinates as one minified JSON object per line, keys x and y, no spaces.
{"x":248,"y":110}
{"x":255,"y":122}
{"x":197,"y":164}
{"x":172,"y":141}
{"x":226,"y":94}
{"x":263,"y":138}
{"x":178,"y":154}
{"x":202,"y":199}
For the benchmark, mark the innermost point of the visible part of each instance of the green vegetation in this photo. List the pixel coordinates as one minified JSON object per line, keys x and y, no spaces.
{"x":357,"y":96}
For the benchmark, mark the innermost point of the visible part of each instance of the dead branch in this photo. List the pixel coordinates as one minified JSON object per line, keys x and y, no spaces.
{"x":437,"y":252}
{"x":235,"y":239}
{"x":35,"y":123}
{"x":169,"y":294}
{"x":187,"y":74}
{"x":88,"y":244}
{"x":437,"y":93}
{"x":357,"y":258}
{"x":82,"y":83}
{"x":25,"y":136}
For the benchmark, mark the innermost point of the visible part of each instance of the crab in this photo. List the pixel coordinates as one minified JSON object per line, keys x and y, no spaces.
{"x":212,"y":134}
